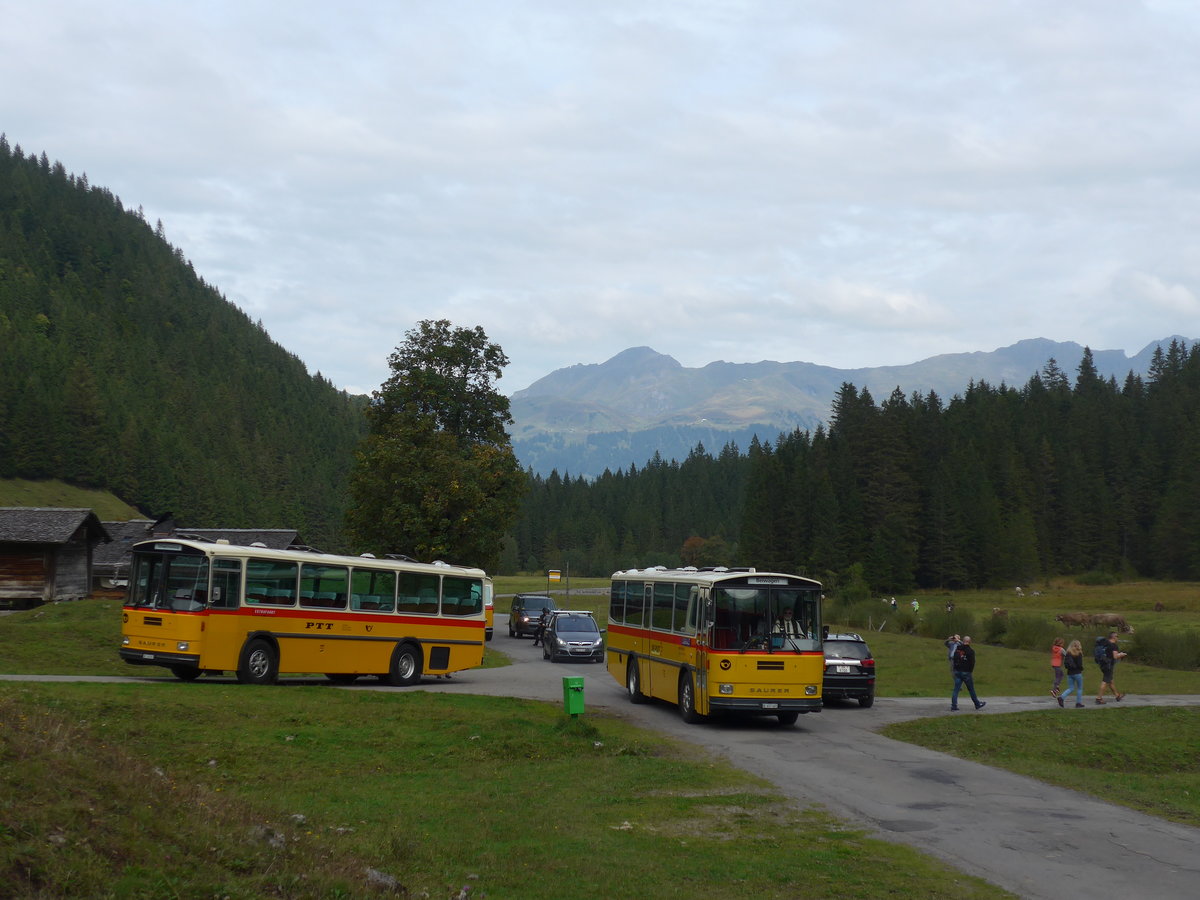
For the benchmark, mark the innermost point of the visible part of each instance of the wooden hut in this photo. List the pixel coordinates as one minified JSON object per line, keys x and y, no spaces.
{"x":46,"y":554}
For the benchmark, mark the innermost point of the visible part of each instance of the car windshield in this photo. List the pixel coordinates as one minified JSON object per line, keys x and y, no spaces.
{"x":576,"y":624}
{"x":535,"y":605}
{"x":847,"y":650}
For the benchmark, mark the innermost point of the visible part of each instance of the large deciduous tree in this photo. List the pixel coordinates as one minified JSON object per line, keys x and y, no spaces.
{"x":436,"y":477}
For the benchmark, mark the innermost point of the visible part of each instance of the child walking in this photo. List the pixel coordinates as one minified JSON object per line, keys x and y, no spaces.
{"x":1073,"y":663}
{"x":1056,"y":666}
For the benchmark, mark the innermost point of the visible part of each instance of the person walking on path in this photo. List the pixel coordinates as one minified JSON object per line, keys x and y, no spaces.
{"x":1108,"y":662}
{"x":964,"y":673}
{"x":1056,"y":667}
{"x":1073,"y":663}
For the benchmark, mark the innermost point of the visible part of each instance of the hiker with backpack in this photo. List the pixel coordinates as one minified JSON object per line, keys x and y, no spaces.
{"x":964,"y":668}
{"x":1106,"y":653}
{"x":1073,"y":665}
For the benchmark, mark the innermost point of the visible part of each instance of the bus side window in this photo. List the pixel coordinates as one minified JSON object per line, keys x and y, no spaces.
{"x":226,"y":583}
{"x":616,"y":602}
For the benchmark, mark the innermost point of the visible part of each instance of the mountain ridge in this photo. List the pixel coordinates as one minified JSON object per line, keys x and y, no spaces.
{"x":589,"y":417}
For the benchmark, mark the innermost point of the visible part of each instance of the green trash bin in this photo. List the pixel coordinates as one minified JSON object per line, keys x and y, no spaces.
{"x":573,"y":694}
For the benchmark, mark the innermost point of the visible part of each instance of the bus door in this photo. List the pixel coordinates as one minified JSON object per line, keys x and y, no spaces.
{"x":663,"y":676}
{"x":225,"y":628}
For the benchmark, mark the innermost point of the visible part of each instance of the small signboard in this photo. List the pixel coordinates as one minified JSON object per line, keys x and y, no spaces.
{"x":554,"y":575}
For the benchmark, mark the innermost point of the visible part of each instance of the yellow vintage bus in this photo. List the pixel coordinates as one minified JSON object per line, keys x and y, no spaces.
{"x":718,"y":640}
{"x":197,"y":607}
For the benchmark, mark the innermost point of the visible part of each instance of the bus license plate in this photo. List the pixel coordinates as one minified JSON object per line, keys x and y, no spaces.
{"x":770,"y":706}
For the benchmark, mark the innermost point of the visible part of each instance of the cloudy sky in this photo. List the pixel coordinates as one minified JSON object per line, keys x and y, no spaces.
{"x":846,"y":183}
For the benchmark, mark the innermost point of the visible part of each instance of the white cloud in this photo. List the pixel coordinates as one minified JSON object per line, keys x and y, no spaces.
{"x":851,"y":184}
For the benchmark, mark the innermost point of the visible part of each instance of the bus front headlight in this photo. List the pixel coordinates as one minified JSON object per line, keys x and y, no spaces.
{"x":725,"y":688}
{"x":182,"y":646}
{"x":810,"y":690}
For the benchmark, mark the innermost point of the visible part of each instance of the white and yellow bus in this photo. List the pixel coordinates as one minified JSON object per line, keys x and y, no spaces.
{"x":197,"y":607}
{"x":718,"y":641}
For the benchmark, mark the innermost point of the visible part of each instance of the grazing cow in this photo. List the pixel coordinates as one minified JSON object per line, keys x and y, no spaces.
{"x":1112,"y":621}
{"x":1020,"y":593}
{"x":999,"y":613}
{"x":1068,"y":619}
{"x":1158,"y":607}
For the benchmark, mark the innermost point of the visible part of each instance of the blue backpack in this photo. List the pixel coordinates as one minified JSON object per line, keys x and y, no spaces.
{"x":1100,"y":651}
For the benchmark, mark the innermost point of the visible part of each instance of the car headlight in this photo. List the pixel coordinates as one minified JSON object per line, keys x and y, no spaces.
{"x":560,"y":642}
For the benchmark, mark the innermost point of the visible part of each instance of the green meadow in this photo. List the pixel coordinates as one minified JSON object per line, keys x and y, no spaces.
{"x":165,"y":789}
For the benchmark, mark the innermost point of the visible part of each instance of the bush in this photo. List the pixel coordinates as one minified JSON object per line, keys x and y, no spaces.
{"x":1156,"y":646}
{"x":941,"y":624}
{"x":1029,"y":633}
{"x":994,"y":628}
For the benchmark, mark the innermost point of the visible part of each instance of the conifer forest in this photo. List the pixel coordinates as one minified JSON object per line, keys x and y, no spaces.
{"x":120,"y":368}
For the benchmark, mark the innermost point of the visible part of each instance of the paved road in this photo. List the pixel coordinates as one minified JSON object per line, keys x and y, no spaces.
{"x":1033,"y":839}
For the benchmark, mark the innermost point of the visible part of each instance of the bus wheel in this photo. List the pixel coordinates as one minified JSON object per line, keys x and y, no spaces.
{"x":687,"y":700}
{"x":788,"y":718}
{"x":186,"y":673}
{"x":342,"y":678}
{"x":406,"y":666}
{"x":258,"y":664}
{"x":633,"y":683}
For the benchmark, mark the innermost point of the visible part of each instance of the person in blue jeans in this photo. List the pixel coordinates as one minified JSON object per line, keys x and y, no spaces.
{"x":964,"y":669}
{"x":1073,"y":666}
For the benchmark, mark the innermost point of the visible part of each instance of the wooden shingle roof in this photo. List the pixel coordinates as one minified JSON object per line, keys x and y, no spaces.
{"x":47,"y":525}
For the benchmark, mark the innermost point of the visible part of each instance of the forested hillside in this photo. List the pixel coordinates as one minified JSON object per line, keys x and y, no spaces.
{"x":1001,"y":486}
{"x":120,"y":368}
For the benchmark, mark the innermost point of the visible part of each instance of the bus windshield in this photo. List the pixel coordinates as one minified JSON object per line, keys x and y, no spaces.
{"x":169,"y":582}
{"x":776,"y":618}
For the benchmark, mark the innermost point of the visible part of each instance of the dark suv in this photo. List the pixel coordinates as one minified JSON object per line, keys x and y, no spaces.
{"x":849,"y":669}
{"x":525,"y":613}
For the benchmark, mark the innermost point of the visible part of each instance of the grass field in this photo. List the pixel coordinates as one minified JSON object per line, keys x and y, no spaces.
{"x":214,"y":790}
{"x":20,"y":492}
{"x":218,"y":790}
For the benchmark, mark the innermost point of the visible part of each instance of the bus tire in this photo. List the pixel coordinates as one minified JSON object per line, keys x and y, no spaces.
{"x":259,"y":663}
{"x":186,"y":673}
{"x":406,"y":665}
{"x":788,"y":718}
{"x":633,"y":682}
{"x":687,"y":699}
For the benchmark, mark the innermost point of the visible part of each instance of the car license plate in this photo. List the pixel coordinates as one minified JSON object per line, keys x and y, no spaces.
{"x":844,"y":670}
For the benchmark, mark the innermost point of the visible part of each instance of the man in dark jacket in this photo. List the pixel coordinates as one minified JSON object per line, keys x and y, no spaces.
{"x":539,"y":636}
{"x":964,"y":668}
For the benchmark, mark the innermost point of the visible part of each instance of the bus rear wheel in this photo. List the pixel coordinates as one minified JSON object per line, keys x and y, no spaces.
{"x":258,"y":664}
{"x":406,"y":666}
{"x":633,"y":683}
{"x":687,"y":700}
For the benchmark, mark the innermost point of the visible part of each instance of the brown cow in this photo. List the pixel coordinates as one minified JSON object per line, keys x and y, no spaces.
{"x":1111,"y":620}
{"x":1068,"y":619}
{"x":999,"y":613}
{"x":1159,"y":607}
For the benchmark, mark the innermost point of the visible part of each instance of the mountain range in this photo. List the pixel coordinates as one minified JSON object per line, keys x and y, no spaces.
{"x":584,"y":419}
